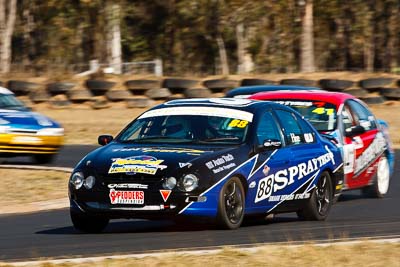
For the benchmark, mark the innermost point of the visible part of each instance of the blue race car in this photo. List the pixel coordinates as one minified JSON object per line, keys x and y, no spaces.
{"x":246,"y":91}
{"x":217,"y":159}
{"x":27,"y":133}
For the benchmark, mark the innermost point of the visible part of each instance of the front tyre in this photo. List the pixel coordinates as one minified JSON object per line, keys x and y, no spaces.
{"x":88,"y":224}
{"x":380,"y":186}
{"x":231,"y":205}
{"x":320,"y":202}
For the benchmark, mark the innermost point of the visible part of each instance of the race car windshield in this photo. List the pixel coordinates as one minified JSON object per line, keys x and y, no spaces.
{"x":8,"y":101}
{"x":320,"y":114}
{"x":197,"y":129}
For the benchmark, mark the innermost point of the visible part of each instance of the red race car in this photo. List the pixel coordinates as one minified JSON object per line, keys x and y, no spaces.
{"x":368,"y":155}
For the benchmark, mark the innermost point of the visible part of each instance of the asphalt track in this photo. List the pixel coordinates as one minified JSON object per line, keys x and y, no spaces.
{"x":50,"y":234}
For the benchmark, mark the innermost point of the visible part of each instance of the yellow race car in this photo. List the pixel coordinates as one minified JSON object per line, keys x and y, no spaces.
{"x":27,"y":133}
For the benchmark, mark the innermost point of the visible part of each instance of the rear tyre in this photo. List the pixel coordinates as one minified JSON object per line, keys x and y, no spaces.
{"x":231,"y":205}
{"x":88,"y":224}
{"x":380,"y":186}
{"x":320,"y":202}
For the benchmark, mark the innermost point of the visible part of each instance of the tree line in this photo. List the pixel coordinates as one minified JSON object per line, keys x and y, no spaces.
{"x":202,"y":36}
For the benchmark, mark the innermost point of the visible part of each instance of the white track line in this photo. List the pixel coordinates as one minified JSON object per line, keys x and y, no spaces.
{"x":251,"y":248}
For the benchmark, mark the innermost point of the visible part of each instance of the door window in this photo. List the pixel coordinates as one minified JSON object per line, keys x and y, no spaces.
{"x":267,"y":129}
{"x":362,"y":116}
{"x":291,"y":128}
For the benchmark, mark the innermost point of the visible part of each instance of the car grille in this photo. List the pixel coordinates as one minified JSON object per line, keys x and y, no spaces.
{"x":22,"y":131}
{"x":123,"y":178}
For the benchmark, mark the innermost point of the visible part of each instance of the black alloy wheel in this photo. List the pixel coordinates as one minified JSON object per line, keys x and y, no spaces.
{"x":231,"y":204}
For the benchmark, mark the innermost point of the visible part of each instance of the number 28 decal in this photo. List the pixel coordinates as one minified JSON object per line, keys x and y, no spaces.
{"x":264,"y":189}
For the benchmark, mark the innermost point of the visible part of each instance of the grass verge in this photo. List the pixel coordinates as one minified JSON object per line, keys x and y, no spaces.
{"x":26,"y":186}
{"x":360,"y":254}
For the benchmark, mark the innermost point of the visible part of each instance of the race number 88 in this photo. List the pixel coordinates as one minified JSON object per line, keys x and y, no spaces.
{"x":238,"y":123}
{"x":264,"y":190}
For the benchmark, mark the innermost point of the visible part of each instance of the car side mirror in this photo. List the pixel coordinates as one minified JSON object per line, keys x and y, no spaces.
{"x":354,"y":130}
{"x":104,"y":139}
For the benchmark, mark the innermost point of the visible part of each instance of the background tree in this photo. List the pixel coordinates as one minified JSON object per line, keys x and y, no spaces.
{"x":7,"y":21}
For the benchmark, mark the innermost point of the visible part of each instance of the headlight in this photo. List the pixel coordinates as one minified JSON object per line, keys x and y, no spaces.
{"x":89,"y":182}
{"x":190,"y":182}
{"x":169,"y":183}
{"x":51,"y":131}
{"x":77,"y":180}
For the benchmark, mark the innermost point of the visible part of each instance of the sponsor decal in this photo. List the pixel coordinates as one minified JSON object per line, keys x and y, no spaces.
{"x":376,"y":148}
{"x":137,"y":164}
{"x":165,"y":194}
{"x":285,"y":177}
{"x":266,"y":170}
{"x":308,"y":137}
{"x":358,"y":142}
{"x":289,"y":197}
{"x":162,"y":150}
{"x":295,"y":138}
{"x":252,"y":184}
{"x":134,"y":186}
{"x":183,"y":165}
{"x":295,"y":103}
{"x":126,"y":197}
{"x":221,"y":164}
{"x":348,"y":158}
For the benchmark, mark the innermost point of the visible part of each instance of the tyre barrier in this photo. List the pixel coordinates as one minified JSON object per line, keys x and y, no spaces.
{"x":20,"y":88}
{"x":375,"y":83}
{"x":59,"y":102}
{"x":158,"y":93}
{"x":220,"y":85}
{"x":99,"y":102}
{"x":118,"y":95}
{"x":142,"y":84}
{"x":372,"y":100}
{"x":139,"y":102}
{"x":59,"y":87}
{"x":197,"y":93}
{"x":335,"y":85}
{"x":390,"y":93}
{"x":300,"y":82}
{"x":99,"y":87}
{"x":177,"y":86}
{"x":254,"y":81}
{"x":357,"y":92}
{"x":79,"y":95}
{"x":39,"y":96}
{"x":176,"y":97}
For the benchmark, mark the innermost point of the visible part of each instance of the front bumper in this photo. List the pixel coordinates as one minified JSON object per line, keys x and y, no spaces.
{"x":29,"y":144}
{"x":154,"y":207}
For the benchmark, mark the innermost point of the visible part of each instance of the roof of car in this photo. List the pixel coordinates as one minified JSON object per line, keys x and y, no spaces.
{"x":331,"y":97}
{"x":5,"y":91}
{"x":235,"y":103}
{"x":249,"y":90}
